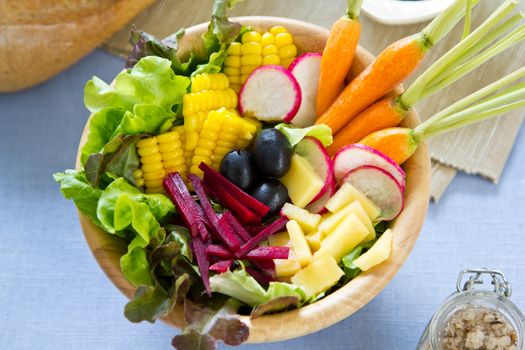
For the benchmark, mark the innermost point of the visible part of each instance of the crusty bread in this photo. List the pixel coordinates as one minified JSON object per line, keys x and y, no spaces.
{"x":40,"y":38}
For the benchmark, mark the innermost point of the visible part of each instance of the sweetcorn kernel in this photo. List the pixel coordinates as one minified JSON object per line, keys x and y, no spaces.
{"x":233,"y":61}
{"x":278,"y":30}
{"x":246,"y":70}
{"x":231,"y":71}
{"x":251,"y":60}
{"x":234,"y":49}
{"x":285,"y":62}
{"x":267,"y":39}
{"x":251,"y":36}
{"x":283,"y":39}
{"x":244,"y":77}
{"x":251,"y":48}
{"x":271,"y":59}
{"x":234,"y":80}
{"x":270,"y":50}
{"x":288,"y":51}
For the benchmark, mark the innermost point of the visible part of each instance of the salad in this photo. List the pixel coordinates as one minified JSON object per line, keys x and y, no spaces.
{"x":245,"y":180}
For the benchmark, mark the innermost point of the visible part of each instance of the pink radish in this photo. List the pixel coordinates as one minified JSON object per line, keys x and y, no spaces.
{"x":380,"y":187}
{"x":270,"y":94}
{"x":352,"y":156}
{"x":317,"y":207}
{"x":306,"y":69}
{"x":313,"y":150}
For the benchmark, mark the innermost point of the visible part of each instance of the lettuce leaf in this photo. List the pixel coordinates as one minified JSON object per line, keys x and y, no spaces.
{"x":143,"y":100}
{"x":321,"y":132}
{"x":74,"y":185}
{"x":221,"y":32}
{"x":240,"y":285}
{"x":145,"y":44}
{"x":209,"y":323}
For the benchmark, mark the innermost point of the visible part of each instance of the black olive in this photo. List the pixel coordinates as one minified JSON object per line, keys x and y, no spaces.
{"x":272,"y":193}
{"x":272,"y":153}
{"x":238,"y":167}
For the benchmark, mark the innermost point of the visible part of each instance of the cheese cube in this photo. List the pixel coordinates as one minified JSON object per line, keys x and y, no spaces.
{"x":284,"y":267}
{"x":328,"y":225}
{"x":347,"y":194}
{"x":379,"y":252}
{"x":301,"y":181}
{"x":281,"y":239}
{"x":314,"y":240}
{"x":299,"y":243}
{"x":345,"y":237}
{"x":318,"y":276}
{"x":307,"y":220}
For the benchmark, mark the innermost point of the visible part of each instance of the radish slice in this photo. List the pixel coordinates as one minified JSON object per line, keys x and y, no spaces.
{"x":313,"y":150}
{"x":317,"y":207}
{"x":380,"y":187}
{"x":353,"y":156}
{"x":306,"y":70}
{"x":271,"y":93}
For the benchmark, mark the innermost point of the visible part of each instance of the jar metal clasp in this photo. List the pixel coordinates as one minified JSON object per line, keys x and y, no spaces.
{"x":475,"y":277}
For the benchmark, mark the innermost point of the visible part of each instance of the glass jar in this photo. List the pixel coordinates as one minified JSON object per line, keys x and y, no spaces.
{"x":467,"y":296}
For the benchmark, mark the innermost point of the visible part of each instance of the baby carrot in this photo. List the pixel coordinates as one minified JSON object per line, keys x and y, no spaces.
{"x":390,"y":68}
{"x":338,"y":56}
{"x":389,"y":112}
{"x":400,"y":143}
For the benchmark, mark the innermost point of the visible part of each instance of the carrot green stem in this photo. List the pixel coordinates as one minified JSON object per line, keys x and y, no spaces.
{"x":485,"y":109}
{"x":443,"y":24}
{"x":412,"y":95}
{"x":510,"y":40}
{"x":486,"y":40}
{"x":478,"y":95}
{"x":459,"y":121}
{"x":468,"y":20}
{"x":354,"y":8}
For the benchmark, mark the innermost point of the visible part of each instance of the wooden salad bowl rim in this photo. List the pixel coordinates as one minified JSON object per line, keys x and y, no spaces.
{"x":342,"y":303}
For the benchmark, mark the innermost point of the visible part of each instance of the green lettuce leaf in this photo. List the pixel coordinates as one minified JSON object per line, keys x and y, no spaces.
{"x":148,"y":304}
{"x":240,"y":285}
{"x":221,"y":32}
{"x":347,"y":262}
{"x":143,"y":100}
{"x":321,"y":132}
{"x":135,"y":265}
{"x":75,"y":186}
{"x":145,"y":44}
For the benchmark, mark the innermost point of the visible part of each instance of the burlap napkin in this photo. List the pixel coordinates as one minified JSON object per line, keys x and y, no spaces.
{"x":480,"y":149}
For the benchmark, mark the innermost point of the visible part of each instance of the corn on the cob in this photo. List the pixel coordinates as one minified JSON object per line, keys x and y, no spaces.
{"x":208,"y":81}
{"x":222,"y":131}
{"x":159,"y":156}
{"x":275,"y":47}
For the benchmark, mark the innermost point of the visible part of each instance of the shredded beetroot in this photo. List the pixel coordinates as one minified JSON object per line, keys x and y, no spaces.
{"x":199,"y":251}
{"x":226,"y":185}
{"x":266,"y":266}
{"x":260,"y":277}
{"x":237,"y":226}
{"x":189,"y":210}
{"x":223,"y":231}
{"x":221,"y":266}
{"x":274,"y":227}
{"x":257,"y":254}
{"x":227,"y":200}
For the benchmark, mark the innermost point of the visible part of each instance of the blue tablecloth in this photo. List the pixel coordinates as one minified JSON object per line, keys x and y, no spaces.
{"x":54,"y":296}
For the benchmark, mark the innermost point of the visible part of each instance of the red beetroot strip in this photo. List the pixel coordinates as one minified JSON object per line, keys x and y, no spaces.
{"x":221,"y":266}
{"x":274,"y":227}
{"x":226,"y":199}
{"x":237,"y":226}
{"x":199,"y":251}
{"x":226,"y":185}
{"x":223,"y":231}
{"x":189,"y":210}
{"x":260,"y":277}
{"x":266,"y":266}
{"x":257,"y":254}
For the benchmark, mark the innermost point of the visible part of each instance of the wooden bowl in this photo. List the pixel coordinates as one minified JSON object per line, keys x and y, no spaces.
{"x":107,"y":249}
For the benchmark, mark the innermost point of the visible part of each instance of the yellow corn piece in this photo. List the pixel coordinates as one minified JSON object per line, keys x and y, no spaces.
{"x":278,"y":30}
{"x":208,"y":100}
{"x":208,"y":81}
{"x":152,"y":171}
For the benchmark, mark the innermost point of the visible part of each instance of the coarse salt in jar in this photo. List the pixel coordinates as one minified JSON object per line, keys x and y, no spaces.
{"x":476,"y":319}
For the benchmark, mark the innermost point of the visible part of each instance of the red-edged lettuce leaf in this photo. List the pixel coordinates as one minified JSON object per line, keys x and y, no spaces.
{"x":208,"y":324}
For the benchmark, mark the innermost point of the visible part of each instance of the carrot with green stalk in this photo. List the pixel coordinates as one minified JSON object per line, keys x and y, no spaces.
{"x":459,"y":61}
{"x":338,"y":55}
{"x":400,"y":143}
{"x":390,"y":68}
